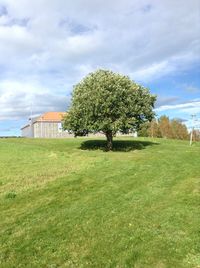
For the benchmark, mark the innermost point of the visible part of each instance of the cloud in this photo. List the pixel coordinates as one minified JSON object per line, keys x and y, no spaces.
{"x":162,"y":101}
{"x":154,"y":70}
{"x":136,"y":36}
{"x":3,"y":10}
{"x":191,"y":89}
{"x":184,"y":111}
{"x":19,"y":100}
{"x":47,"y":46}
{"x":191,"y":107}
{"x":182,"y":120}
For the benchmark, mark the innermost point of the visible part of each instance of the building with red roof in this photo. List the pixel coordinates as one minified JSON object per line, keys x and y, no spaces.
{"x":47,"y":125}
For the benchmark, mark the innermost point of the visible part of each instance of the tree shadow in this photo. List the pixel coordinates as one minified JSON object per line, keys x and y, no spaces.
{"x":118,"y":146}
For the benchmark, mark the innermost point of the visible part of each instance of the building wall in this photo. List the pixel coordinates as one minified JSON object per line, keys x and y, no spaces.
{"x":118,"y":134}
{"x":49,"y":130}
{"x":26,"y":131}
{"x":54,"y":130}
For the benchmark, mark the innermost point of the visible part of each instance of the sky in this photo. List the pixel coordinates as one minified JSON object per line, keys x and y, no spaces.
{"x":46,"y":47}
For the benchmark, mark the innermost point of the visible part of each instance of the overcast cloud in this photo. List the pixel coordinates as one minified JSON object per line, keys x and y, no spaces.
{"x":48,"y":46}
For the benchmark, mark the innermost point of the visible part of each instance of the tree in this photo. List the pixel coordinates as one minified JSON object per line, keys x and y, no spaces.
{"x":165,"y":127}
{"x":144,"y":130}
{"x":154,"y":129}
{"x":108,"y":102}
{"x":179,"y":130}
{"x":196,"y":135}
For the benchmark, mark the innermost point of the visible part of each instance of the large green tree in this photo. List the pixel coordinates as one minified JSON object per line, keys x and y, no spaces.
{"x":108,"y":102}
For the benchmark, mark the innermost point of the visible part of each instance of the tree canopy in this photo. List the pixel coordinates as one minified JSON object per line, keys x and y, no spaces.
{"x":108,"y":102}
{"x":164,"y":128}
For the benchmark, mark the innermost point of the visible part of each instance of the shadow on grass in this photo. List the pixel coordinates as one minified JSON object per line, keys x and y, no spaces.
{"x":118,"y":146}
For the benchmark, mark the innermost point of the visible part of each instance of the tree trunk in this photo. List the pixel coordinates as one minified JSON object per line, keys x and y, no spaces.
{"x":109,"y":137}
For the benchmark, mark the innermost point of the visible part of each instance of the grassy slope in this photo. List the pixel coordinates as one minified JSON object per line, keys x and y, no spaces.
{"x":66,"y":207}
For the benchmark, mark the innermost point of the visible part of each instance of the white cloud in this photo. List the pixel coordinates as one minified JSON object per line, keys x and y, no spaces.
{"x":51,"y":44}
{"x":154,"y":70}
{"x":183,"y":110}
{"x":191,"y":89}
{"x":192,"y":107}
{"x":19,"y":100}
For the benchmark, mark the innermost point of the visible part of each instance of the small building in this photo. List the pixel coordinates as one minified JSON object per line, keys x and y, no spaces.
{"x":48,"y":125}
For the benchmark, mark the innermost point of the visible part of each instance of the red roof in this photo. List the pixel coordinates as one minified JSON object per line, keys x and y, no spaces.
{"x":51,"y":116}
{"x":48,"y":117}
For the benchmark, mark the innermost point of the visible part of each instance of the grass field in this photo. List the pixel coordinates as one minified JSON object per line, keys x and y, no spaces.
{"x":67,"y":203}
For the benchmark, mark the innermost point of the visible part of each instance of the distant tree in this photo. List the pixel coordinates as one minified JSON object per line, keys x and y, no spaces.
{"x":149,"y":129}
{"x":179,"y":130}
{"x":108,"y":102}
{"x":196,"y":135}
{"x":154,"y":129}
{"x":165,"y":127}
{"x":144,"y":130}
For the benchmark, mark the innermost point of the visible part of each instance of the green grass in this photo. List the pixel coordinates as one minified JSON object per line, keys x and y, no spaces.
{"x":68,"y":203}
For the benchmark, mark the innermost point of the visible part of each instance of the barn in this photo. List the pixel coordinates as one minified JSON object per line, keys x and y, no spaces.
{"x":47,"y":125}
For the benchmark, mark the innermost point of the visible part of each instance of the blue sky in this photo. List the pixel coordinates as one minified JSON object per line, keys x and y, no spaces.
{"x":48,"y":46}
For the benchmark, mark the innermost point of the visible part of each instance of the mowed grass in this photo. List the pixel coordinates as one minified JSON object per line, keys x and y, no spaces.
{"x":68,"y":203}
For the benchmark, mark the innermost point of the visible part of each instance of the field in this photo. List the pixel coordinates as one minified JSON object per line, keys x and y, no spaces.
{"x":68,"y":203}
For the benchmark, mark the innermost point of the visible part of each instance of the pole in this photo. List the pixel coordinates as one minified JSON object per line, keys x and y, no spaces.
{"x":31,"y":123}
{"x":191,"y":136}
{"x":191,"y":133}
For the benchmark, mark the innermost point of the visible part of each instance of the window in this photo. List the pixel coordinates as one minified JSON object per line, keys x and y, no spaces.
{"x":59,"y":127}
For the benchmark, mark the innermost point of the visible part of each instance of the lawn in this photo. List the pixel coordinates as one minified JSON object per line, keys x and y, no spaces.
{"x":68,"y":203}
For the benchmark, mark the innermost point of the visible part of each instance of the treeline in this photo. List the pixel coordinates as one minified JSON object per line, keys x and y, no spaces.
{"x":196,"y":135}
{"x":164,"y":128}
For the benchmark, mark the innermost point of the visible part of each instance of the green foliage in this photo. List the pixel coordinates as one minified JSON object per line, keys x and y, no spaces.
{"x":84,"y":208}
{"x":108,"y":102}
{"x":144,"y":130}
{"x":10,"y":195}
